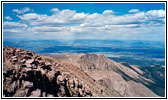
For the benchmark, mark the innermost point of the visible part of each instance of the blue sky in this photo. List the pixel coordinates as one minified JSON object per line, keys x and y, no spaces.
{"x":119,"y":21}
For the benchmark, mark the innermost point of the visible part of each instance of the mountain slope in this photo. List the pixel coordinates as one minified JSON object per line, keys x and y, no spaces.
{"x":157,"y":74}
{"x":28,"y":74}
{"x":128,"y":80}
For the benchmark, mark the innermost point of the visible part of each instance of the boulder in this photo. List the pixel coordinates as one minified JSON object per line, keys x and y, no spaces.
{"x":34,"y":66}
{"x":79,"y":85}
{"x":27,"y":84}
{"x":12,"y":87}
{"x":30,"y":53}
{"x":71,"y":83}
{"x":80,"y":92}
{"x":18,"y":50}
{"x":21,"y":93}
{"x":44,"y":94}
{"x":27,"y":57}
{"x":48,"y":64}
{"x":36,"y":93}
{"x":28,"y":65}
{"x":51,"y":75}
{"x":38,"y":58}
{"x":13,"y":57}
{"x":50,"y":95}
{"x":88,"y":92}
{"x":60,"y":79}
{"x":23,"y":61}
{"x":30,"y":61}
{"x":26,"y":69}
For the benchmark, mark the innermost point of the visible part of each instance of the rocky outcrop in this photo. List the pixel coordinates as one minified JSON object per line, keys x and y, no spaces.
{"x":26,"y":74}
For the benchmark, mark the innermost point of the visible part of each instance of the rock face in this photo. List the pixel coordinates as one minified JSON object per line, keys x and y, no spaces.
{"x":127,"y":80}
{"x":26,"y":74}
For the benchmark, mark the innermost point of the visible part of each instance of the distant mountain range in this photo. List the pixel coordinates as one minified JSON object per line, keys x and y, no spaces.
{"x":142,"y":53}
{"x":79,"y":75}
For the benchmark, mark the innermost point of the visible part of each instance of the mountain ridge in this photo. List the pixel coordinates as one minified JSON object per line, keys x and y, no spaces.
{"x":91,"y":62}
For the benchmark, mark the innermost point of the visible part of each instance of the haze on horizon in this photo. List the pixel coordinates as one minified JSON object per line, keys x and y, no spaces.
{"x":115,"y":21}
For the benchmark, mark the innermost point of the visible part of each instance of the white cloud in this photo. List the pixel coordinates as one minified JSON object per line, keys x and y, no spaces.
{"x":11,"y":30}
{"x":47,"y":29}
{"x":8,"y":18}
{"x":100,"y":20}
{"x":55,"y":10}
{"x":11,"y":27}
{"x":79,"y":16}
{"x":14,"y":25}
{"x":21,"y":11}
{"x":133,"y":10}
{"x":64,"y":17}
{"x":107,"y":12}
{"x":31,"y":16}
{"x":155,"y":13}
{"x":70,"y":24}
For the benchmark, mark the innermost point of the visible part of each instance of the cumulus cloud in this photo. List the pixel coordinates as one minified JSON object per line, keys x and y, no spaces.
{"x":13,"y":27}
{"x":133,"y":10}
{"x":21,"y":11}
{"x":8,"y":18}
{"x":64,"y":17}
{"x":32,"y":16}
{"x":68,"y":23}
{"x":156,"y":13}
{"x":70,"y":17}
{"x":55,"y":10}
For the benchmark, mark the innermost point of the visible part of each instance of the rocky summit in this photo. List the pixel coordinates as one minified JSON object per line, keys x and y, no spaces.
{"x":26,"y":74}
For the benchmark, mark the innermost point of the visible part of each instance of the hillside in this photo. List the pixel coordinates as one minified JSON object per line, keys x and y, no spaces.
{"x":26,"y":74}
{"x":120,"y":76}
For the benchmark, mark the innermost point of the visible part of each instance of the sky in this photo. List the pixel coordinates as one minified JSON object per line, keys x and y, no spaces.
{"x":114,"y":21}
